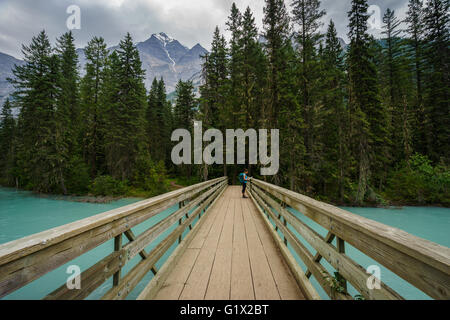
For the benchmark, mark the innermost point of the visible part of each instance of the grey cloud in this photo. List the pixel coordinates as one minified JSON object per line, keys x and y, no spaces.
{"x":189,"y":21}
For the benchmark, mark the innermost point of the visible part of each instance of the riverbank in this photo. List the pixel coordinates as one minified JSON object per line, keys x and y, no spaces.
{"x":131,"y":193}
{"x":176,"y":184}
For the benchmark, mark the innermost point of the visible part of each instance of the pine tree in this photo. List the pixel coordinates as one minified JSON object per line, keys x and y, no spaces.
{"x":415,"y":31}
{"x":368,"y":116}
{"x":124,"y":132}
{"x":392,"y":51}
{"x":437,"y":36}
{"x":277,"y":35}
{"x":307,"y":15}
{"x":397,"y":87}
{"x":185,"y":105}
{"x":335,"y":131}
{"x":215,"y":86}
{"x":253,"y":71}
{"x":236,"y":113}
{"x":68,"y":110}
{"x":215,"y":89}
{"x":92,"y":98}
{"x":159,"y":123}
{"x":184,"y":112}
{"x":36,"y":95}
{"x":7,"y":144}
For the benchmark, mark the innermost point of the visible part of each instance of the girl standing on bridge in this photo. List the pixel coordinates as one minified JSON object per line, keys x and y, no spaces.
{"x":243,"y":178}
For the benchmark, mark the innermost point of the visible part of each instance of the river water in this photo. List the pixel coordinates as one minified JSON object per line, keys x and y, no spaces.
{"x":23,"y":213}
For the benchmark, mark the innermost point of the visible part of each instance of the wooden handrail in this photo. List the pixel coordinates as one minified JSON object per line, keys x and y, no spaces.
{"x":24,"y":260}
{"x":424,"y":264}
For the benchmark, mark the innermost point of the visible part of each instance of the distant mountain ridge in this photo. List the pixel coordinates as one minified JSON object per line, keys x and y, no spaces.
{"x":7,"y":63}
{"x":162,"y":57}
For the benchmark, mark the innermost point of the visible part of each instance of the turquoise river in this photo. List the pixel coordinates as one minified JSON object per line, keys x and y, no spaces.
{"x":23,"y":213}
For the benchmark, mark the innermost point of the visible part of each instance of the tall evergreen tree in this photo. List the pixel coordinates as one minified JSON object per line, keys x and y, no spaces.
{"x":307,"y":15}
{"x":125,"y":139}
{"x":36,"y":95}
{"x":415,"y":32}
{"x":185,"y":105}
{"x":253,"y":72}
{"x":368,"y":117}
{"x":277,"y":35}
{"x":215,"y":89}
{"x":437,"y":36}
{"x":184,"y":112}
{"x":68,"y":108}
{"x":397,"y":86}
{"x":7,"y":144}
{"x":335,"y":133}
{"x":234,"y":25}
{"x":92,"y":98}
{"x":215,"y":82}
{"x":159,"y":122}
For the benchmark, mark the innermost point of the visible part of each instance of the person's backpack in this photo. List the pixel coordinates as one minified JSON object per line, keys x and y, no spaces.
{"x":241,"y":178}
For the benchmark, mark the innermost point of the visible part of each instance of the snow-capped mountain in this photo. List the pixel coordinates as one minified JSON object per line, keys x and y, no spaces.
{"x":7,"y":62}
{"x":164,"y":56}
{"x":161,"y":55}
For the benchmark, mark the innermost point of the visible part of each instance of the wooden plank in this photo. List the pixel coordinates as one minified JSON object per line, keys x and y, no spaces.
{"x":320,"y":273}
{"x":220,"y":279}
{"x":131,"y":237}
{"x":307,"y":289}
{"x":25,"y":260}
{"x":92,"y":278}
{"x":141,"y":269}
{"x":176,"y":279}
{"x":263,"y":281}
{"x":146,"y":237}
{"x":199,"y":239}
{"x":286,"y":284}
{"x":328,"y":239}
{"x":352,"y":271}
{"x":153,"y":288}
{"x":174,"y":284}
{"x":13,"y":250}
{"x":117,"y":247}
{"x":241,"y":274}
{"x":197,"y":283}
{"x":422,"y":263}
{"x":126,"y":253}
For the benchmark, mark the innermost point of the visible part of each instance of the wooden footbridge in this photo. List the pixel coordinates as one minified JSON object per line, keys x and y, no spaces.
{"x":227,"y":247}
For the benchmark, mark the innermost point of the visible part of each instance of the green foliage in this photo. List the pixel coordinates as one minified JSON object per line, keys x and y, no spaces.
{"x":349,"y":121}
{"x":337,"y":283}
{"x":108,"y":186}
{"x":78,"y":176}
{"x":419,"y":182}
{"x":150,"y":177}
{"x":159,"y":122}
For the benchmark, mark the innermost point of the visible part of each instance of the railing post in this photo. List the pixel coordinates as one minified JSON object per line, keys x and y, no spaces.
{"x":181,"y":205}
{"x":340,"y":245}
{"x":117,"y":247}
{"x":283,"y":205}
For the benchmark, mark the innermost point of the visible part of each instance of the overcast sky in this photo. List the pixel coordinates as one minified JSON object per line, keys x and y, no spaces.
{"x":189,"y":21}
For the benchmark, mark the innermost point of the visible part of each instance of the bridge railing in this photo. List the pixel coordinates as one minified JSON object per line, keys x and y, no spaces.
{"x":25,"y":260}
{"x":422,"y":263}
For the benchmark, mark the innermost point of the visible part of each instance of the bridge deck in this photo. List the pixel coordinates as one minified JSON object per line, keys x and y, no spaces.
{"x":233,"y":256}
